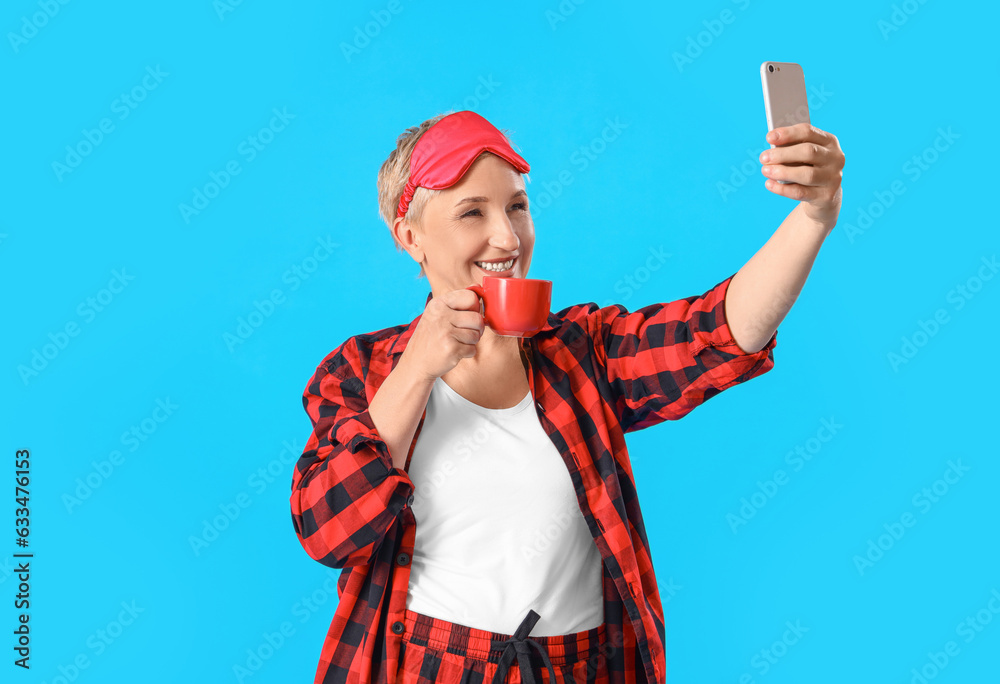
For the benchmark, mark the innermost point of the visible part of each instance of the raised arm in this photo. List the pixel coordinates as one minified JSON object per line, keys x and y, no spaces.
{"x":764,"y":290}
{"x":665,"y":359}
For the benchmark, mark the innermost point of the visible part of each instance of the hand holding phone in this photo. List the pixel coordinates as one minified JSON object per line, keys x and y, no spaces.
{"x":785,"y":99}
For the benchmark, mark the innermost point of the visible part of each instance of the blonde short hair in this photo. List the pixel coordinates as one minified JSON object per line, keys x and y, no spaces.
{"x":395,"y":172}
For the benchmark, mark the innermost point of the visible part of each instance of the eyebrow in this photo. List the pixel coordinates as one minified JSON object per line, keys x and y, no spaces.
{"x":468,"y":200}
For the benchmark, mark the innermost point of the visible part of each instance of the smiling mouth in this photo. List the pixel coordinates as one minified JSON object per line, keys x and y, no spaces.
{"x":499,"y":267}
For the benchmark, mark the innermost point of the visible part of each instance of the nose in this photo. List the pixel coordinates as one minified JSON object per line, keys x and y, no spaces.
{"x":502,"y":235}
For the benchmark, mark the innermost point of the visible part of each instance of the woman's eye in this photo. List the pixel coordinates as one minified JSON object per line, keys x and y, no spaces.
{"x":520,"y":206}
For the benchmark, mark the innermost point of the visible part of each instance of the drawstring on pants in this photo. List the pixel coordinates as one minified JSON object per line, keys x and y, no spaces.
{"x":518,"y":645}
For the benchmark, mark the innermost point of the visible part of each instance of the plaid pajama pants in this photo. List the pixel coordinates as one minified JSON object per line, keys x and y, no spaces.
{"x":435,"y":651}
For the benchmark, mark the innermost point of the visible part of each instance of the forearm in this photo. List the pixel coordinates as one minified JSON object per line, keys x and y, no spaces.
{"x":397,"y":407}
{"x":763,"y":291}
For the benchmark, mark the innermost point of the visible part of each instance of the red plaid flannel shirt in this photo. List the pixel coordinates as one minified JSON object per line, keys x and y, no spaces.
{"x":595,"y":374}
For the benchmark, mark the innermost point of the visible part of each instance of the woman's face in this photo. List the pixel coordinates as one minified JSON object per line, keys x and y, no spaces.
{"x":483,"y":217}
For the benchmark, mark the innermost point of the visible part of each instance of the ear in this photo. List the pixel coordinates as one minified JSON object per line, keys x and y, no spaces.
{"x":409,"y":237}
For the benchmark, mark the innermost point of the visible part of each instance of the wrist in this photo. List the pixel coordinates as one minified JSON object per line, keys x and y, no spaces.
{"x":414,"y":375}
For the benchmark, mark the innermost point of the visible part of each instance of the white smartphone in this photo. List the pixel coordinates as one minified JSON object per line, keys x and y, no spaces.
{"x":785,"y":99}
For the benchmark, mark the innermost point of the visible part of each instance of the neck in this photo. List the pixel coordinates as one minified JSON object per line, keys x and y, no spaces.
{"x":491,"y":343}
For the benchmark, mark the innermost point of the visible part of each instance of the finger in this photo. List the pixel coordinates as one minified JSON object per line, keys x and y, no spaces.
{"x":800,"y":132}
{"x":792,"y":190}
{"x":472,"y":320}
{"x":466,"y":337}
{"x":805,"y":152}
{"x":462,"y":300}
{"x":803,"y":175}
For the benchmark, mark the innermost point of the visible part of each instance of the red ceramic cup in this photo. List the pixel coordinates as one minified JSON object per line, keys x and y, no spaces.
{"x":515,"y":307}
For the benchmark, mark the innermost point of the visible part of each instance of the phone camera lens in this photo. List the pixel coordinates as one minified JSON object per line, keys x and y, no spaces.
{"x":770,"y":67}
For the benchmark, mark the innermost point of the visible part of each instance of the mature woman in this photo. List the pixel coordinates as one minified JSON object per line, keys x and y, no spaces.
{"x":510,"y":452}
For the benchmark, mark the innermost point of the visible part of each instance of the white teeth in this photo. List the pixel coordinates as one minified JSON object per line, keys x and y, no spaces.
{"x":497,"y":267}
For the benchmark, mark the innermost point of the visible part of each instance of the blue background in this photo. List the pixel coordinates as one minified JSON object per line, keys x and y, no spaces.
{"x":552,"y":75}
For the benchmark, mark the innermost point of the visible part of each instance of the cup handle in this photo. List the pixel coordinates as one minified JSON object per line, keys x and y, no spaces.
{"x":478,"y":289}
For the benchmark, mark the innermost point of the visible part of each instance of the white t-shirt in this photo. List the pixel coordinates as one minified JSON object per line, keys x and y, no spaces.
{"x":499,"y":529}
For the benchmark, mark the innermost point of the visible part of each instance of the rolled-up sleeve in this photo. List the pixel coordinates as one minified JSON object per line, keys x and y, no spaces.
{"x":665,"y":359}
{"x":346,"y":493}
